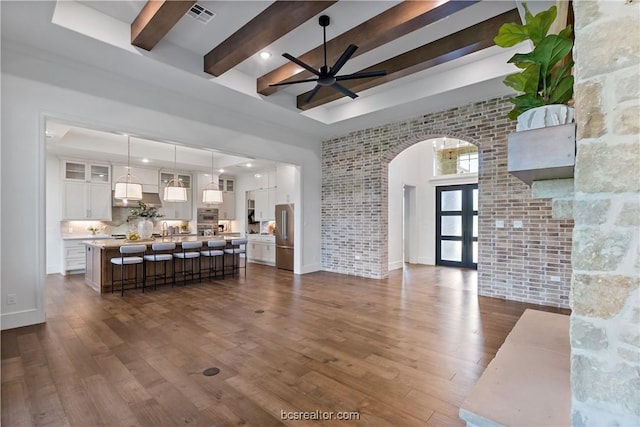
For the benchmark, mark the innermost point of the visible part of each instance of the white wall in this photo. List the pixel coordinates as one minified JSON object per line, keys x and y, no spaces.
{"x":25,"y":105}
{"x":53,"y":213}
{"x":414,"y":166}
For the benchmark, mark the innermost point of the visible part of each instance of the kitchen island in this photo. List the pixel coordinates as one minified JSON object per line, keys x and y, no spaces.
{"x":99,"y":253}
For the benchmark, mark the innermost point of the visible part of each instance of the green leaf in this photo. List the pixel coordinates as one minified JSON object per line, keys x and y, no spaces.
{"x":563,"y":92}
{"x":550,"y":51}
{"x":558,"y":74}
{"x":526,"y":102}
{"x":538,"y":26}
{"x":526,"y":81}
{"x":566,"y":33}
{"x":511,"y":34}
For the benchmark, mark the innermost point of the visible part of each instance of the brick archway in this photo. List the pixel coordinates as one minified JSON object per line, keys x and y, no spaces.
{"x":426,"y":236}
{"x":355,"y":204}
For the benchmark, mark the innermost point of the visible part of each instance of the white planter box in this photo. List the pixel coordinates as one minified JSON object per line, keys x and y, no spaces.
{"x":544,"y":153}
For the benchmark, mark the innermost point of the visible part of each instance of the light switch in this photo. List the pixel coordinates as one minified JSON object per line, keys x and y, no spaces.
{"x":499,"y":223}
{"x":517,"y":224}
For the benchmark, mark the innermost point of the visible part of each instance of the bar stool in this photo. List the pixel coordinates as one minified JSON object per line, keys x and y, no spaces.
{"x":160,"y":255}
{"x":123,"y":261}
{"x":216,"y":249}
{"x":238,"y":247}
{"x":190,"y":250}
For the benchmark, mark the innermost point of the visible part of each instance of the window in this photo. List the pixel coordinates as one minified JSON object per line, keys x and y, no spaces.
{"x":454,"y":156}
{"x":468,"y":163}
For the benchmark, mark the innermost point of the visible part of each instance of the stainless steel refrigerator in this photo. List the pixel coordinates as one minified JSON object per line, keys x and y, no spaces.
{"x":284,"y":236}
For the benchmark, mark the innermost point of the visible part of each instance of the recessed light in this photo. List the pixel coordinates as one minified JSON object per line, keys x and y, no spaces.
{"x":145,"y":160}
{"x":221,"y":170}
{"x":257,"y":175}
{"x":248,"y":165}
{"x":265,"y":55}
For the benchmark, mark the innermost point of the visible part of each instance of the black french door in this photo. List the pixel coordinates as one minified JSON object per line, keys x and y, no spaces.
{"x":457,"y":226}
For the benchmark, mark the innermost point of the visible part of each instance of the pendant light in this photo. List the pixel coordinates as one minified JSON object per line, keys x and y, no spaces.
{"x":126,"y":188}
{"x":211,"y":193}
{"x":175,"y":191}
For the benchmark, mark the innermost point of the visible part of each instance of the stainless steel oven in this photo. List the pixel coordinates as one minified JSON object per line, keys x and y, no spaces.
{"x":207,"y":222}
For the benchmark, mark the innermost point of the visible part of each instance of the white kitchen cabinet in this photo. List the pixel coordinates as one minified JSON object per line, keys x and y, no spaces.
{"x":261,"y":198}
{"x":286,"y":179}
{"x":261,"y":249}
{"x":86,"y":191}
{"x":227,"y":210}
{"x":265,"y":206}
{"x":226,"y":184}
{"x":176,"y":210}
{"x":74,"y":255}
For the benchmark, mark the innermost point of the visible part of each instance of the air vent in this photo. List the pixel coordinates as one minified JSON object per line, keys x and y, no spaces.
{"x":201,"y":13}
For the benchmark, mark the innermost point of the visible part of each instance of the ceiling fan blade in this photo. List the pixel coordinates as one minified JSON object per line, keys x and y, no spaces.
{"x":344,"y":90}
{"x":343,"y":59}
{"x":300,"y":63}
{"x":294,"y":82}
{"x":313,"y":93}
{"x":361,"y":75}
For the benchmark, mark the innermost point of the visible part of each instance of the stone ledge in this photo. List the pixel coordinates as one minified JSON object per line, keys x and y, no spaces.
{"x":527,"y":383}
{"x":552,"y":188}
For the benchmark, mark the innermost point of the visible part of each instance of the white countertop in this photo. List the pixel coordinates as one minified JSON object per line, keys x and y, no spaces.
{"x":86,"y":237}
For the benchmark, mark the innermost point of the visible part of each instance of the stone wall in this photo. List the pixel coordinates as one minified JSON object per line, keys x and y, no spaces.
{"x":605,"y":295}
{"x":529,"y":264}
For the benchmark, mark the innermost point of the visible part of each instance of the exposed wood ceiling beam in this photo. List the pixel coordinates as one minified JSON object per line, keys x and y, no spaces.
{"x":274,"y":22}
{"x":395,"y":22}
{"x":453,"y":46}
{"x":155,"y":20}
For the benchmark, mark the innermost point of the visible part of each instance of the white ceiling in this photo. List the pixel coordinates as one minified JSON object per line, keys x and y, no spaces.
{"x":96,"y":35}
{"x":188,"y":41}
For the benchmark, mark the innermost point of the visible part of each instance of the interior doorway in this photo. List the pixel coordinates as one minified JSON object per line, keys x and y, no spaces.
{"x":409,"y":225}
{"x":457,"y":225}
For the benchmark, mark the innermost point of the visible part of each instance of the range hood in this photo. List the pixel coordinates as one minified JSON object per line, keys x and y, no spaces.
{"x":151,"y":199}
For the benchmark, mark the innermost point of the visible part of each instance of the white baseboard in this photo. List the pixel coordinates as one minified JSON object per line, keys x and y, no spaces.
{"x":18,"y":319}
{"x":427,"y":261}
{"x":309,"y":268}
{"x":395,"y":265}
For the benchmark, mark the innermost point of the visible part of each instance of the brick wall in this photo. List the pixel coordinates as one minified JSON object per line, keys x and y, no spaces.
{"x":513,"y":263}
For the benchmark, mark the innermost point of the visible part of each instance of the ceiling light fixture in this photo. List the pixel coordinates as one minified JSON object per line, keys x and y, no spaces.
{"x":211,"y":193}
{"x":265,"y":55}
{"x":175,"y":191}
{"x":126,"y":188}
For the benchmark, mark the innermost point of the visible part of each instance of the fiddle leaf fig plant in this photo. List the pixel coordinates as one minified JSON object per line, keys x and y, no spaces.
{"x":546,"y":71}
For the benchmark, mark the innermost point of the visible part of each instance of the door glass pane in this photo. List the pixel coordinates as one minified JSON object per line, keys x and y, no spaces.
{"x":451,"y":250}
{"x":185,"y":180}
{"x":452,"y":200}
{"x":475,"y":199}
{"x":99,"y":173}
{"x":74,"y":171}
{"x":475,"y":253}
{"x":475,"y":226}
{"x":452,"y":225}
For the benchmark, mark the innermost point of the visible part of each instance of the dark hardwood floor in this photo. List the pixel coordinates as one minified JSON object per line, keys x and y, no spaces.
{"x":400,"y":352}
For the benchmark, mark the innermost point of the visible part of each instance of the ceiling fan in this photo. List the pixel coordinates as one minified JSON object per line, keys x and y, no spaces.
{"x":329,"y":76}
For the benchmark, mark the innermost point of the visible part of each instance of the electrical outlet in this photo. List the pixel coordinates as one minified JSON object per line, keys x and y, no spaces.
{"x":555,"y":278}
{"x":517,"y":224}
{"x":357,"y":257}
{"x":499,"y":223}
{"x":70,"y":230}
{"x":11,"y":299}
